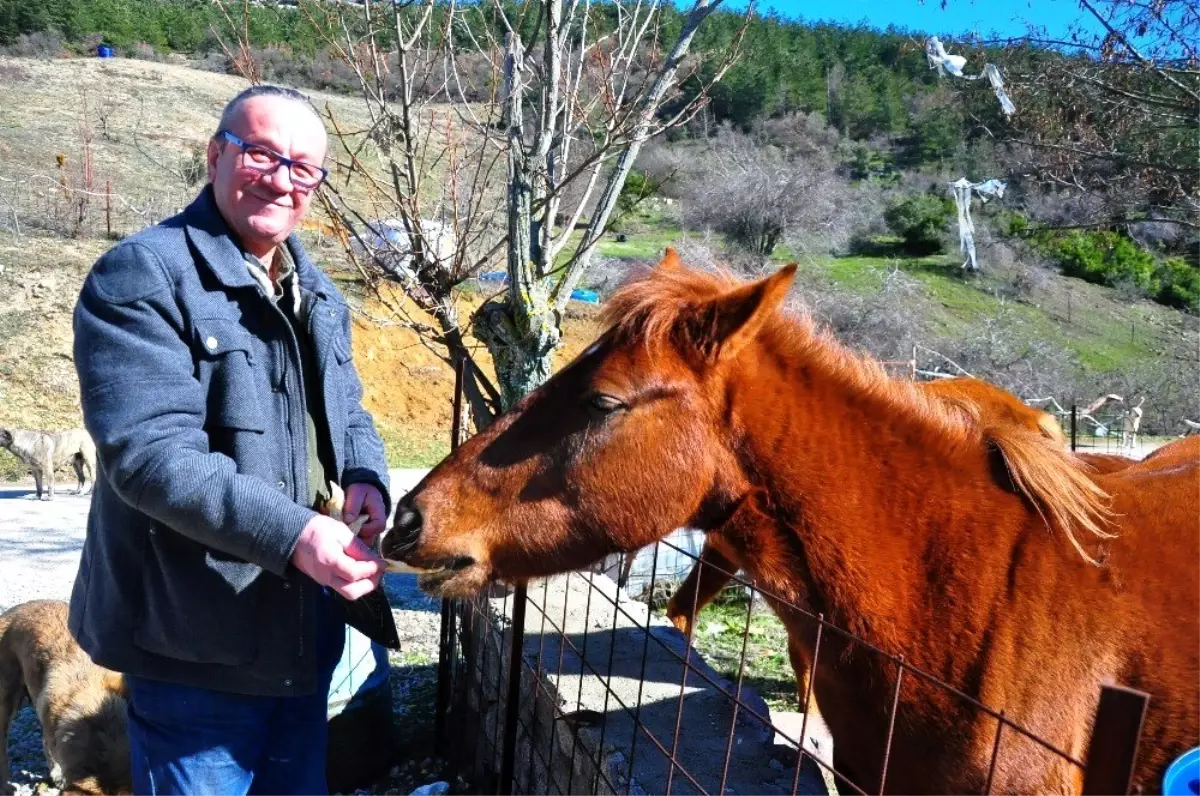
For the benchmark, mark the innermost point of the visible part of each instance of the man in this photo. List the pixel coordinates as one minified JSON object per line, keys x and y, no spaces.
{"x":216,"y":378}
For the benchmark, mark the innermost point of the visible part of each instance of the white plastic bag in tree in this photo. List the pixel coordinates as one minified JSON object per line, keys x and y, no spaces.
{"x":939,"y":59}
{"x":962,"y":190}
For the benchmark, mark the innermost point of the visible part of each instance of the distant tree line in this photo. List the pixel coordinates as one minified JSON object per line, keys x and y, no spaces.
{"x":865,"y":83}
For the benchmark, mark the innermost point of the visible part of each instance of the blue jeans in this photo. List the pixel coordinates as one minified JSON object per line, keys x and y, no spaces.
{"x":189,"y":740}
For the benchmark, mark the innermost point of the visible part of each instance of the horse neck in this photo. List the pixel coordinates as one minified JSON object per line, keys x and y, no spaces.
{"x":863,"y":496}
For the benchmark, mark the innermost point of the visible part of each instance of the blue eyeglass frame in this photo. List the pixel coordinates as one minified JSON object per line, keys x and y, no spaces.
{"x":283,"y":161}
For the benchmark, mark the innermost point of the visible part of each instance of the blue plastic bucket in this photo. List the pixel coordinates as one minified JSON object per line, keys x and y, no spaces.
{"x":1183,"y":776}
{"x":104,"y":51}
{"x":360,"y":715}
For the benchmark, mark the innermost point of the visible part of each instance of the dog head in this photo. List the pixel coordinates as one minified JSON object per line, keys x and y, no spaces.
{"x":6,"y":438}
{"x":93,"y":749}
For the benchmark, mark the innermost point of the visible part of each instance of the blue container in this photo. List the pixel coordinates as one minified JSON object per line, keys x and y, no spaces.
{"x":590,"y":296}
{"x":104,"y":51}
{"x":1183,"y":776}
{"x":360,"y":715}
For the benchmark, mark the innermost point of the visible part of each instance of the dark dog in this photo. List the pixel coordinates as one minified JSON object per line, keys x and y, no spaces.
{"x":81,"y":706}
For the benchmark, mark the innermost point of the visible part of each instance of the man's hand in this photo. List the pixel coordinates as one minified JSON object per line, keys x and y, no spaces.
{"x":365,"y":498}
{"x":330,"y":553}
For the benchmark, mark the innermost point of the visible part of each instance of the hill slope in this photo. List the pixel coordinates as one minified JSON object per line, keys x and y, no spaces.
{"x":145,"y":119}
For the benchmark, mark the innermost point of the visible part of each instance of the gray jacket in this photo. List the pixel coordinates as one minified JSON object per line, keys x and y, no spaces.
{"x":191,"y":387}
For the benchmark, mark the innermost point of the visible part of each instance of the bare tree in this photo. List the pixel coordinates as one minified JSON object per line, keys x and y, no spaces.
{"x":1120,"y":115}
{"x":482,"y":159}
{"x":757,"y":191}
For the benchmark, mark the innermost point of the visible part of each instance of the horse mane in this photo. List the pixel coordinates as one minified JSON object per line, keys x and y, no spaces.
{"x":661,"y":306}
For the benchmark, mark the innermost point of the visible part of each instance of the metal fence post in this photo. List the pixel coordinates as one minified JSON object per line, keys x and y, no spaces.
{"x":1114,"y":745}
{"x":512,"y":707}
{"x":447,"y":637}
{"x":1074,"y":427}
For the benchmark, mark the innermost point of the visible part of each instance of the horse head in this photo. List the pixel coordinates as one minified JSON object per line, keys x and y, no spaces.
{"x":625,"y":444}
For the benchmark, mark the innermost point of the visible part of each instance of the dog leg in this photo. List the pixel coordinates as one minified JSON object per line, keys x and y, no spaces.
{"x":77,"y":466}
{"x":10,"y":703}
{"x":56,"y":772}
{"x":37,"y":481}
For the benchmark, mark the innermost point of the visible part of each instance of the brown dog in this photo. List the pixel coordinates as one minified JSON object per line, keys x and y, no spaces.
{"x":81,"y":706}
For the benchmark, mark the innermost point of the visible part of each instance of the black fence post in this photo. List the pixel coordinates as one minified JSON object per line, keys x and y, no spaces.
{"x":512,"y":707}
{"x":1074,"y":427}
{"x":446,"y":643}
{"x":1114,"y":745}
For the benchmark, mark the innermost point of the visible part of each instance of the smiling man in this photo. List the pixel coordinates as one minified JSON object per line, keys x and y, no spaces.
{"x":216,"y":378}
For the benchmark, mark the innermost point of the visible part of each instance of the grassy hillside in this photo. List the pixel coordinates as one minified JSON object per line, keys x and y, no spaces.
{"x":145,"y":120}
{"x":1103,"y":329}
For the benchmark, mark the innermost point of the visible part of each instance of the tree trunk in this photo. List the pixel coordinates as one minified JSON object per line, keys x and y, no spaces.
{"x":522,"y":331}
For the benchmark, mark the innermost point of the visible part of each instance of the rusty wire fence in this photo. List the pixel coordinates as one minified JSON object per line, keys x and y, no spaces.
{"x":572,"y":686}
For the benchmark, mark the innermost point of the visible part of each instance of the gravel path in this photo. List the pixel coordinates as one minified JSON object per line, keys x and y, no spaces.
{"x":40,"y":544}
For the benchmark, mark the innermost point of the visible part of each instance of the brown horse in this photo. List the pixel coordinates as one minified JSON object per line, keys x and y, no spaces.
{"x":717,"y":561}
{"x":1177,"y":451}
{"x":716,"y":566}
{"x":997,"y":405}
{"x":982,"y":553}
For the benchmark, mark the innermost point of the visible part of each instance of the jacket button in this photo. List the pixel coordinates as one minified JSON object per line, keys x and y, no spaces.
{"x":288,"y":683}
{"x":283,"y":485}
{"x":211,"y":342}
{"x":287,"y":585}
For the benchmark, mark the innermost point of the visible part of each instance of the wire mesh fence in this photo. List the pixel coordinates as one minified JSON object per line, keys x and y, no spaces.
{"x":572,"y":685}
{"x":618,"y":703}
{"x":38,"y":204}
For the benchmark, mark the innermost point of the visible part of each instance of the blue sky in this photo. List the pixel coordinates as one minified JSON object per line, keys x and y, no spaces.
{"x":959,"y":18}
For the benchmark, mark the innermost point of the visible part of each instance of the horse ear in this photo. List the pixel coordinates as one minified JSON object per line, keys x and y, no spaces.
{"x":670,"y":260}
{"x":732,"y":320}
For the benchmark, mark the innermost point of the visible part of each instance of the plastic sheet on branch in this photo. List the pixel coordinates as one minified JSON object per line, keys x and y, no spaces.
{"x":940,"y":60}
{"x":962,"y":189}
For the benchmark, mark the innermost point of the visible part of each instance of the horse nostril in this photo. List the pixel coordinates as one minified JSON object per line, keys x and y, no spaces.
{"x":407,"y":524}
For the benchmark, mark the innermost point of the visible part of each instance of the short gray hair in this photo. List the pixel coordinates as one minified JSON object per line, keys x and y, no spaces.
{"x":262,"y":90}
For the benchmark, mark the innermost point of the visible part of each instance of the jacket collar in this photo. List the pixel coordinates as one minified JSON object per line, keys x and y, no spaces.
{"x":219,"y":249}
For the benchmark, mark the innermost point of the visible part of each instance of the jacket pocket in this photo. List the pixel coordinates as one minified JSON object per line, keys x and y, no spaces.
{"x":232,"y":379}
{"x":201,"y":605}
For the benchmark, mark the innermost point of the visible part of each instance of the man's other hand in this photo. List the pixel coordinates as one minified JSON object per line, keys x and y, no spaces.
{"x":330,"y":554}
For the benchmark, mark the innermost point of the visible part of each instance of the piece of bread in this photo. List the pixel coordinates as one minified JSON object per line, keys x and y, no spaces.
{"x":335,"y":505}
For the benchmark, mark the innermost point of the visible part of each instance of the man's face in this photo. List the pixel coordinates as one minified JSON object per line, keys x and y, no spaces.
{"x":263,"y":209}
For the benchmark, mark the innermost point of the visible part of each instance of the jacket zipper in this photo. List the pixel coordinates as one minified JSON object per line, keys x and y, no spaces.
{"x":294,"y":357}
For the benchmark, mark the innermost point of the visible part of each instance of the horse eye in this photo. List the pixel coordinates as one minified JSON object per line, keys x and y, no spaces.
{"x":605,"y":403}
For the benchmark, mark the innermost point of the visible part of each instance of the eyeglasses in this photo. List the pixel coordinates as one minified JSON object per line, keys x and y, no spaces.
{"x":305,"y":176}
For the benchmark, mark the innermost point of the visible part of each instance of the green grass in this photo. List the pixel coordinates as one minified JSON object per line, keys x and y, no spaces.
{"x":1100,"y":338}
{"x":720,"y":628}
{"x":639,"y":246}
{"x":409,"y":447}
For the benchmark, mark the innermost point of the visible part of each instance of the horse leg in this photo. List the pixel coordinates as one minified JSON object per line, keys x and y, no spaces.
{"x":802,"y":672}
{"x":626,"y":568}
{"x":703,"y":583}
